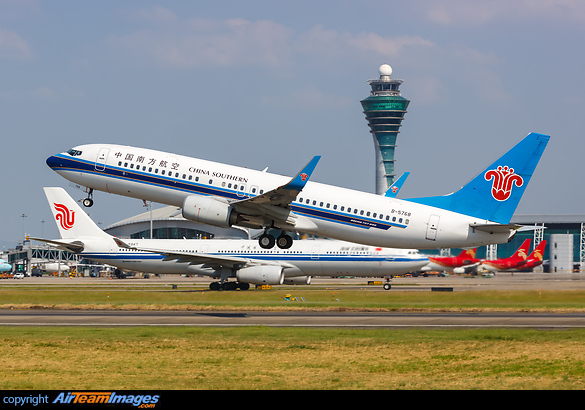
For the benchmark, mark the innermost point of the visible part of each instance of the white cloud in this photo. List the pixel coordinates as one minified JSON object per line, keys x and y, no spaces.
{"x":309,"y":98}
{"x":196,"y":42}
{"x":472,"y":12}
{"x":12,"y":46}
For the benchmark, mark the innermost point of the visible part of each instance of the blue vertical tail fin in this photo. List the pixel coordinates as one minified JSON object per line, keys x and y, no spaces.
{"x":494,"y":193}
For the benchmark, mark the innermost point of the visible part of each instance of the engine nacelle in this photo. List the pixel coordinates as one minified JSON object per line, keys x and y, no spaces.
{"x":261,"y":275}
{"x":208,"y":210}
{"x":298,"y":280}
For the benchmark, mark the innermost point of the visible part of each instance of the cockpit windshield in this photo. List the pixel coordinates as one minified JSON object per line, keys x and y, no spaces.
{"x":74,"y":152}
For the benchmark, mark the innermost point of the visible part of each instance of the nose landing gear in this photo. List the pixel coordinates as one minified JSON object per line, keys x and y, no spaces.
{"x":88,"y":202}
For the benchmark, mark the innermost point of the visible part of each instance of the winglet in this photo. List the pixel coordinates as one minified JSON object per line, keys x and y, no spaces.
{"x":301,"y":179}
{"x":393,"y":190}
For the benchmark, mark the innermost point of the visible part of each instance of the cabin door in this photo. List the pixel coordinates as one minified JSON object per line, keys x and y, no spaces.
{"x":433,"y":227}
{"x":100,"y":162}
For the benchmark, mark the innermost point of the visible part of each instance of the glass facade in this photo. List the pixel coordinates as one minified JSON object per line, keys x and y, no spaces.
{"x":172,"y":233}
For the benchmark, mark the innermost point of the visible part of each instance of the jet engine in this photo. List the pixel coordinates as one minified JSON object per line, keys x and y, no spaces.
{"x":261,"y":275}
{"x":298,"y":280}
{"x":209,"y":210}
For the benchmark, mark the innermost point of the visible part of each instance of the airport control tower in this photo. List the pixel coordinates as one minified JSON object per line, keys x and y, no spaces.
{"x":385,"y":109}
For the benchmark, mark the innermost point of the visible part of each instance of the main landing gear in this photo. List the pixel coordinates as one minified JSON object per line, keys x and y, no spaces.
{"x":267,"y":241}
{"x":229,"y":286}
{"x":88,"y":202}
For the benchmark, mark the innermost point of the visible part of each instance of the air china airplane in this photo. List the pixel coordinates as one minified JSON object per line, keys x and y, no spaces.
{"x":517,"y":259}
{"x":241,"y":259}
{"x":449,"y":263}
{"x":223,"y":195}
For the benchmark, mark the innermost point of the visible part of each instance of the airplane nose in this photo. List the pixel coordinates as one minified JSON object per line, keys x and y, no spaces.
{"x":53,"y":162}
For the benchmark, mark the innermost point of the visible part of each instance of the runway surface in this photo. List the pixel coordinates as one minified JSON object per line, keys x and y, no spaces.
{"x":290,"y":319}
{"x":505,"y":281}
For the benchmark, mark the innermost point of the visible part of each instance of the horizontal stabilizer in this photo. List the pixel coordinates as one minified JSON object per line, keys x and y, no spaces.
{"x":495,"y":228}
{"x":74,"y":246}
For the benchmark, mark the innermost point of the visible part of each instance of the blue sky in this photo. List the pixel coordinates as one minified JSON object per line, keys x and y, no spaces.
{"x":272,"y":83}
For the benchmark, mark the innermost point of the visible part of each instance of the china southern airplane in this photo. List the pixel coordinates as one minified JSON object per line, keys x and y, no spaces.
{"x":224,"y":258}
{"x":223,"y":195}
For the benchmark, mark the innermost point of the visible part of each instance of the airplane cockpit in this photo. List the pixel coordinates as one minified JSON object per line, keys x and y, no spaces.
{"x":74,"y":152}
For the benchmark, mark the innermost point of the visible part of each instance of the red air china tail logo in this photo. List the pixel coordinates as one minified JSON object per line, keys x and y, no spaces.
{"x":504,"y":178}
{"x":65,"y":216}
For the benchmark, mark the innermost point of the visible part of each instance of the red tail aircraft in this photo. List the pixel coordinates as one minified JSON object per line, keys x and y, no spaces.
{"x":505,"y":264}
{"x":534,"y":259}
{"x":448,"y":263}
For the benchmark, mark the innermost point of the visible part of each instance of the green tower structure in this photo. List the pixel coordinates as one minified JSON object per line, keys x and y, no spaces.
{"x":385,"y":109}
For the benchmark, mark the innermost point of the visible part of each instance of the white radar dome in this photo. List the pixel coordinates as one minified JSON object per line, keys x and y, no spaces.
{"x":385,"y":70}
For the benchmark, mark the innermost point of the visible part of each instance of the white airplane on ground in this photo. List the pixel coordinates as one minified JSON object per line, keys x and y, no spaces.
{"x":223,"y":195}
{"x":224,"y":258}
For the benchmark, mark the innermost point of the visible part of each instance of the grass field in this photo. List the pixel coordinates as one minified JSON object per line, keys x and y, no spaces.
{"x":107,"y":297}
{"x":288,"y":358}
{"x":269,"y":358}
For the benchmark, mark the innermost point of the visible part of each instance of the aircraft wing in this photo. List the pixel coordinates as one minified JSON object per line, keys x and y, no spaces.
{"x":71,"y":246}
{"x":211,"y":260}
{"x":280,"y":197}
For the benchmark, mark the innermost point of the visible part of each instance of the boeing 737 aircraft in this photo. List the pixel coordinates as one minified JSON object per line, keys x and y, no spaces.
{"x":517,"y":259}
{"x":224,"y":258}
{"x":449,"y":263}
{"x":536,"y":258}
{"x":223,"y":195}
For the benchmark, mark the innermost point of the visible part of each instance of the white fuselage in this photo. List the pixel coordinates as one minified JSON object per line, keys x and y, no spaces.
{"x":323,"y":210}
{"x":320,"y":257}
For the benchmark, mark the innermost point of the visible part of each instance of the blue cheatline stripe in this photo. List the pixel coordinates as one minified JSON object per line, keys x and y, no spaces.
{"x":273,"y":257}
{"x":200,"y":189}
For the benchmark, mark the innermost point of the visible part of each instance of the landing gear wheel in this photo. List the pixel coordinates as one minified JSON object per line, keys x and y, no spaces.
{"x":266,"y":241}
{"x":243,"y":286}
{"x":284,"y":241}
{"x":387,"y":286}
{"x":229,"y":286}
{"x":214,"y":286}
{"x":88,"y":202}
